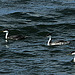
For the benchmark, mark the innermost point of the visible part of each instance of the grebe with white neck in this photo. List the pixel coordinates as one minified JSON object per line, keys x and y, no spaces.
{"x":73,"y":53}
{"x":60,"y":42}
{"x":13,"y":37}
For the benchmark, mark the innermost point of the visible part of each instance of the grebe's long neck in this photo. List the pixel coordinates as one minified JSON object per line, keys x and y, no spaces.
{"x":6,"y":36}
{"x":74,"y":59}
{"x":49,"y":41}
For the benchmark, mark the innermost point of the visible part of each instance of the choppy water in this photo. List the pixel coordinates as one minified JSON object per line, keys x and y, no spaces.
{"x":37,"y":18}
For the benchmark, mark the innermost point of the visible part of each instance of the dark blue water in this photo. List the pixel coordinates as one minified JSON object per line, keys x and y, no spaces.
{"x":37,"y":18}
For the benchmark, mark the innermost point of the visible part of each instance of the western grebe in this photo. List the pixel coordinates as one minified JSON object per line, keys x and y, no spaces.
{"x":14,"y":37}
{"x":73,"y":53}
{"x":61,"y":42}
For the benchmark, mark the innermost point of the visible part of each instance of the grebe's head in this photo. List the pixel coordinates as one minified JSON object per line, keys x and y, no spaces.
{"x":73,"y":53}
{"x":6,"y":31}
{"x":49,"y":35}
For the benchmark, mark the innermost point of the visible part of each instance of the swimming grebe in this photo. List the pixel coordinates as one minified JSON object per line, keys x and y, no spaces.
{"x":73,"y":53}
{"x":61,"y":42}
{"x":14,"y":37}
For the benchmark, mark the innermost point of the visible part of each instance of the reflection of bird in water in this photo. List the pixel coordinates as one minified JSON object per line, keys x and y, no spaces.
{"x":61,"y":42}
{"x":14,"y":37}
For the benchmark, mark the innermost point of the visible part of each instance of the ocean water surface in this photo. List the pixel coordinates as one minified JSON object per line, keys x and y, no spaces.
{"x":36,"y":19}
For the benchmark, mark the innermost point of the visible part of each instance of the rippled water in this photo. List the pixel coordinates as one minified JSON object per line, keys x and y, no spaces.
{"x":37,"y":18}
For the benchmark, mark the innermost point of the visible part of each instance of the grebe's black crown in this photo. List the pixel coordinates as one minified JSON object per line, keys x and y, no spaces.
{"x":72,"y":52}
{"x":5,"y":31}
{"x":49,"y":34}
